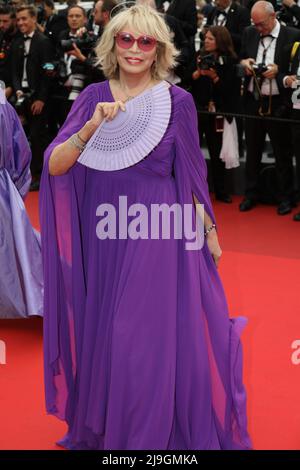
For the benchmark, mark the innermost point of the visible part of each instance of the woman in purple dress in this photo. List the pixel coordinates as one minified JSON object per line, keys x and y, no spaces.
{"x":21,"y":275}
{"x":139,"y":350}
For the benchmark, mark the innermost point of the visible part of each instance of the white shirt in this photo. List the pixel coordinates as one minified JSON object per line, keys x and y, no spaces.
{"x":26,"y":52}
{"x":268,"y":44}
{"x":221,"y":19}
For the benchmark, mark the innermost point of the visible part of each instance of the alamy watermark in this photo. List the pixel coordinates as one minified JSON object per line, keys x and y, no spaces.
{"x":161,"y":221}
{"x":295,"y":357}
{"x":2,"y":352}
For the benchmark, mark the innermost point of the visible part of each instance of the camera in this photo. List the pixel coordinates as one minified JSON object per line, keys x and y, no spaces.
{"x":259,"y":69}
{"x":77,"y":85}
{"x":85,"y":42}
{"x":210,"y":61}
{"x":207,"y":62}
{"x":22,"y":103}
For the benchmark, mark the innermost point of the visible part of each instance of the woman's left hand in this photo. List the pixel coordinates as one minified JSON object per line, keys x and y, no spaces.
{"x":213,"y":246}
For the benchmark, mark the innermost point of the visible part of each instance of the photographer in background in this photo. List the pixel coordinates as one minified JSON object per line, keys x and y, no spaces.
{"x":216,"y":87}
{"x":101,"y":14}
{"x":186,"y":13}
{"x":8,"y":32}
{"x":264,"y":44}
{"x":52,"y":24}
{"x":290,"y":76}
{"x":290,"y":13}
{"x":75,"y":45}
{"x":232,"y":15}
{"x":30,"y":84}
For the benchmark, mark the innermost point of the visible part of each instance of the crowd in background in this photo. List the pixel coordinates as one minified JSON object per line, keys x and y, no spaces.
{"x":236,"y":58}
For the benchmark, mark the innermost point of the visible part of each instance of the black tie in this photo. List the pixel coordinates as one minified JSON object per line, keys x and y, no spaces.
{"x":26,"y":38}
{"x":221,"y":12}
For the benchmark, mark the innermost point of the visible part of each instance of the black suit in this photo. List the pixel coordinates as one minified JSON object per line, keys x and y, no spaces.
{"x":6,"y":42}
{"x":185,"y":11}
{"x":54,"y":26}
{"x":40,"y":52}
{"x":225,"y":94}
{"x":256,"y":130}
{"x":289,"y":67}
{"x":237,"y":19}
{"x":182,"y":44}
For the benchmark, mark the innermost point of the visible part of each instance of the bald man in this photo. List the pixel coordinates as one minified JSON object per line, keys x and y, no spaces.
{"x":264,"y":43}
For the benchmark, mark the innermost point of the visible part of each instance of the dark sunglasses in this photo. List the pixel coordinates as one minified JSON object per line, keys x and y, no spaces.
{"x":126,"y":40}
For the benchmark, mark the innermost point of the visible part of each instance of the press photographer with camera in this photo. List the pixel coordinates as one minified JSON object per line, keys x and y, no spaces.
{"x":30,"y":84}
{"x":289,"y":13}
{"x":74,"y":47}
{"x":216,"y":87}
{"x":263,"y":49}
{"x":290,"y":76}
{"x":52,"y":23}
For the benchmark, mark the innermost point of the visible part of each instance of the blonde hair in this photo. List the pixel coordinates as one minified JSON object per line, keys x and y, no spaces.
{"x":144,"y":20}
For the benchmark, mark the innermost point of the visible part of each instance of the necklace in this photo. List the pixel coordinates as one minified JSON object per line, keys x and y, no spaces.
{"x":130,"y":97}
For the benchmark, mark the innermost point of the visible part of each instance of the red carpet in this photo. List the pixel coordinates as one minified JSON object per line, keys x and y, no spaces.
{"x":260,"y":269}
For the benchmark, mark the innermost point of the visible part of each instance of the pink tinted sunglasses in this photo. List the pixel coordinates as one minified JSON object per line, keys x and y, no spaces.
{"x":126,"y":40}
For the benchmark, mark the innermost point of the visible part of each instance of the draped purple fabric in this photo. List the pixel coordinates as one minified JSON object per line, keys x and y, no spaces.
{"x":139,"y":350}
{"x":21,"y":276}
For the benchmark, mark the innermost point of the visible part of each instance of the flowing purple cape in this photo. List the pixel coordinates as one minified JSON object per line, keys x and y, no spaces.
{"x":21,"y":277}
{"x":139,"y":350}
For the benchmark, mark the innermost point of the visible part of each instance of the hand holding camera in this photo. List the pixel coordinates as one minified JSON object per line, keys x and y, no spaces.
{"x":206,"y":66}
{"x":76,"y":52}
{"x":247,"y":65}
{"x":271,"y":72}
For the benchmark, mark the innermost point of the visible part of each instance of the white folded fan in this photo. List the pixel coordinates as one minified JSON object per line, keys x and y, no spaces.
{"x":132,"y":134}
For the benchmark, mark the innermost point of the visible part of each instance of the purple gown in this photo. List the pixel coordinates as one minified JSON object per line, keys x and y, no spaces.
{"x":21,"y":274}
{"x":139,"y":350}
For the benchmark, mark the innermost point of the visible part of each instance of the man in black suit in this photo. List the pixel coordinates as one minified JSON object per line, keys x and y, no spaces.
{"x":290,"y":13}
{"x":235,"y":17}
{"x":290,"y":76}
{"x":186,"y":13}
{"x":8,"y":32}
{"x":30,"y":83}
{"x":52,"y":24}
{"x":264,"y":43}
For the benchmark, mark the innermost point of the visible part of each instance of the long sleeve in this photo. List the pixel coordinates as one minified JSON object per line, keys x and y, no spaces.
{"x":190,"y":167}
{"x":60,"y":203}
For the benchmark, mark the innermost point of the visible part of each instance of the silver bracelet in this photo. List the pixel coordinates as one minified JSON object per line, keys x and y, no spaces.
{"x":209,"y":229}
{"x":75,"y":141}
{"x":84,"y":142}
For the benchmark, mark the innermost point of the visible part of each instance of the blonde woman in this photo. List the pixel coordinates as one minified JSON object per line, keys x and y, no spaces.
{"x":139,"y":350}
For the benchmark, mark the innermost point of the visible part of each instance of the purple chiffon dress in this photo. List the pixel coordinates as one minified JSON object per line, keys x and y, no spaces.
{"x":21,"y":274}
{"x":139,"y":350}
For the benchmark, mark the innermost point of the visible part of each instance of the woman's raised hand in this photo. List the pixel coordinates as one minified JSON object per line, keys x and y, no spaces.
{"x":106,"y":111}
